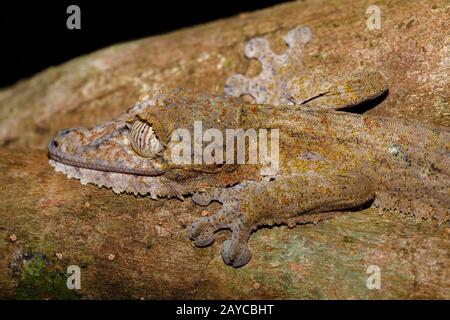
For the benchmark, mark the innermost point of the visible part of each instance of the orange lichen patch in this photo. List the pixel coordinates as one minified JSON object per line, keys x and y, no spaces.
{"x":205,"y":213}
{"x":299,"y":269}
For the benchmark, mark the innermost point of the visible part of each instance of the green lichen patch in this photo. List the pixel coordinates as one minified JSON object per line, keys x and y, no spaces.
{"x":39,"y":280}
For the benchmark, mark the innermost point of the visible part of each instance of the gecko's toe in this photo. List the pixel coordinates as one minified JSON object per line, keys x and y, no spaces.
{"x":236,"y":85}
{"x":235,"y":252}
{"x":236,"y":255}
{"x":202,"y":232}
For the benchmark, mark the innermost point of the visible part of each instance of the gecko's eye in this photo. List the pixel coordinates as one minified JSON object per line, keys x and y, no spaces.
{"x":143,"y":139}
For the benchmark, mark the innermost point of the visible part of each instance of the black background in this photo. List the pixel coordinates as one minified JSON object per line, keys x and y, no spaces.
{"x":291,"y":309}
{"x":34,"y":35}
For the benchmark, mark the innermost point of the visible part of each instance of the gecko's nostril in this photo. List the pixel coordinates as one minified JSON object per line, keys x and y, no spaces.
{"x":124,"y":129}
{"x":55,"y":144}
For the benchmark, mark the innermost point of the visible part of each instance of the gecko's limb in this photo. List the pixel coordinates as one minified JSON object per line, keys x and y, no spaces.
{"x":299,"y":199}
{"x":285,"y":81}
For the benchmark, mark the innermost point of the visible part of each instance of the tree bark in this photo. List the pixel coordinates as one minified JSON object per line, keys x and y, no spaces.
{"x":134,"y":247}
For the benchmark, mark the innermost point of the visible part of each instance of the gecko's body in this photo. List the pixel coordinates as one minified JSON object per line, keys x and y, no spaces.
{"x":329,"y":161}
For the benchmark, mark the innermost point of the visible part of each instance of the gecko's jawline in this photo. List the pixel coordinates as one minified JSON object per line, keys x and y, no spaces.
{"x":104,"y":168}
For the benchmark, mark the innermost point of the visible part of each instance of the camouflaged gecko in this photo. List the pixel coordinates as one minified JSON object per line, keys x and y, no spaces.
{"x":330,"y":161}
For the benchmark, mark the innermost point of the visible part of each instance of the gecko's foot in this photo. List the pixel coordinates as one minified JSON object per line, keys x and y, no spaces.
{"x":235,"y":252}
{"x":202,"y":232}
{"x":277,"y":70}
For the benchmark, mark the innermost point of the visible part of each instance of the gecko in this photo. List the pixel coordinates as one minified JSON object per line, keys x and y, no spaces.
{"x":330,"y":161}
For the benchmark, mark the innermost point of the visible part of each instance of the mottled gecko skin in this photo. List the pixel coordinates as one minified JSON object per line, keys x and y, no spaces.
{"x":333,"y":161}
{"x":330,"y":161}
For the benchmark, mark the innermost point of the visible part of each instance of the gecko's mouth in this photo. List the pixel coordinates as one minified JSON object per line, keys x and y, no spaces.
{"x":101,"y":167}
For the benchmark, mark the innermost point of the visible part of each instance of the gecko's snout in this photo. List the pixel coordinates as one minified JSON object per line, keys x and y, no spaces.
{"x":55,"y":143}
{"x":64,"y":140}
{"x":53,"y":147}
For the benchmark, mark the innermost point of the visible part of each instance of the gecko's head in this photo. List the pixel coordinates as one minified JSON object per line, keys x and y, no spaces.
{"x":127,"y":145}
{"x":140,"y":141}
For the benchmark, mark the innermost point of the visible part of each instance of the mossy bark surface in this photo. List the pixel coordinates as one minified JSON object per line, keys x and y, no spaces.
{"x":134,"y":247}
